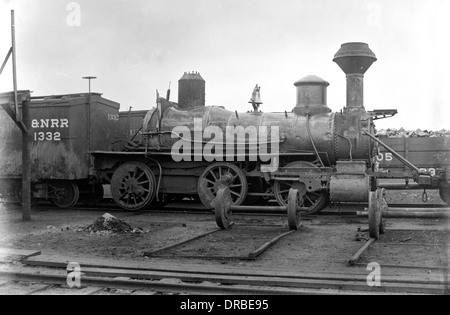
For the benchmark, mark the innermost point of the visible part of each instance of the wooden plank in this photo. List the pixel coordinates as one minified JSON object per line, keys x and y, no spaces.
{"x":21,"y":289}
{"x":359,"y":253}
{"x":23,"y":254}
{"x":145,"y":293}
{"x":68,"y":291}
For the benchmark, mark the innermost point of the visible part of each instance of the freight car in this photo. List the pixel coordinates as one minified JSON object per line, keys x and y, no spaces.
{"x":64,"y":128}
{"x":428,"y":154}
{"x":190,"y":149}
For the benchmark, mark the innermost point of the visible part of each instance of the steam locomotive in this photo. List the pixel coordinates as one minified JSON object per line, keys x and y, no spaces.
{"x":187,"y":149}
{"x":325,"y":155}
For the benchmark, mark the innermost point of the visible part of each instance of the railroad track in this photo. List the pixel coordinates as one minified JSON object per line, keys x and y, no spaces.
{"x":97,"y":279}
{"x":53,"y":284}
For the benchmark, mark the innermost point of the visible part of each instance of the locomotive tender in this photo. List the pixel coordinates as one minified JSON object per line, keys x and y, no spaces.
{"x":325,"y":155}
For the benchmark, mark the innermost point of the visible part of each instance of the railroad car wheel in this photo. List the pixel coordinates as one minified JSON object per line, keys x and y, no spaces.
{"x":94,"y":196}
{"x":444,"y":193}
{"x":18,"y":195}
{"x":133,"y":186}
{"x":377,"y":205}
{"x":313,"y":201}
{"x":222,"y":208}
{"x":222,"y":175}
{"x":65,"y":194}
{"x":294,"y":203}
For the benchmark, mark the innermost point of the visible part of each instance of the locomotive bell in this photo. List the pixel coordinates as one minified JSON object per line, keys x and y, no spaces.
{"x":311,"y":96}
{"x":255,"y":100}
{"x":355,"y":59}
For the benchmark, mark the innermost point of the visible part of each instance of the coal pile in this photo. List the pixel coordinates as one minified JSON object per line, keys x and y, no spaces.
{"x":109,"y":224}
{"x":399,"y":133}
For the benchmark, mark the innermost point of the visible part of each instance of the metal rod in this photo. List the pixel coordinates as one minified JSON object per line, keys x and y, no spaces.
{"x":400,"y":186}
{"x":359,"y":253}
{"x":6,"y":60}
{"x":13,"y":37}
{"x":416,"y":213}
{"x":253,"y":255}
{"x":89,"y":78}
{"x":258,"y":209}
{"x":398,"y":156}
{"x":128,"y":131}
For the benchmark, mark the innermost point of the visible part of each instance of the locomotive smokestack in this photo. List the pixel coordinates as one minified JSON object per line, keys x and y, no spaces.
{"x":191,"y":91}
{"x":355,"y":59}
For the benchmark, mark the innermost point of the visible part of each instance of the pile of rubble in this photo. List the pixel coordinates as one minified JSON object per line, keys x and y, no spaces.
{"x":398,"y":133}
{"x":109,"y":224}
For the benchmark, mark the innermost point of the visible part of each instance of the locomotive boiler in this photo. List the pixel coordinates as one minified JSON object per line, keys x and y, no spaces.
{"x":189,"y":149}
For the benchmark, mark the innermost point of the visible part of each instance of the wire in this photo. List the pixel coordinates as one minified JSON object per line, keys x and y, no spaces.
{"x":312,"y":141}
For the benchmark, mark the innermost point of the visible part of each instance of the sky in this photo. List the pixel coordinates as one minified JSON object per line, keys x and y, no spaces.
{"x":135,"y":47}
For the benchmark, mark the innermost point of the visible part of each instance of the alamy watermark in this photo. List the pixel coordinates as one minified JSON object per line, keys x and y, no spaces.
{"x":238,"y":144}
{"x":374,"y":277}
{"x":74,"y":275}
{"x":374,"y":16}
{"x":74,"y":17}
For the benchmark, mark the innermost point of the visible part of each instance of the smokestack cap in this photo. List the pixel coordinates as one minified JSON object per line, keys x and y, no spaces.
{"x":355,"y":58}
{"x":311,"y":80}
{"x":192,"y":76}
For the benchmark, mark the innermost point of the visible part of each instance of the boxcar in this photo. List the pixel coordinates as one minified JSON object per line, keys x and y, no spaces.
{"x":64,"y":128}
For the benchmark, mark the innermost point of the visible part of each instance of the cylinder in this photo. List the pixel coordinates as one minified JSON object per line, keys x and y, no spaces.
{"x":345,"y":187}
{"x":191,"y":91}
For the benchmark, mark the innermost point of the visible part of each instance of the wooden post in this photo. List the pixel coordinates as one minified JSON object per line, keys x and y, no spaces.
{"x":26,"y":180}
{"x":13,"y":39}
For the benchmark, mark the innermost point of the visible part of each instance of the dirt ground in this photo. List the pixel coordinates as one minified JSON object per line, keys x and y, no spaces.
{"x":322,"y":244}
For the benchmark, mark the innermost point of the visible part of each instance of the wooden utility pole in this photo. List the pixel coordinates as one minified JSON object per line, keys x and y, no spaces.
{"x":22,"y":121}
{"x":25,"y":122}
{"x":26,"y":169}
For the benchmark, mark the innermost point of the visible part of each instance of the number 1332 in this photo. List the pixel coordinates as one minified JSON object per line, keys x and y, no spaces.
{"x":47,"y":136}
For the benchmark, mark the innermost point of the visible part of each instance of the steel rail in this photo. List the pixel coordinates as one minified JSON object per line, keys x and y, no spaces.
{"x":207,"y":289}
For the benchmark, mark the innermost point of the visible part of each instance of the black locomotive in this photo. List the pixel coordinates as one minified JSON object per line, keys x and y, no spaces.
{"x":185,"y":147}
